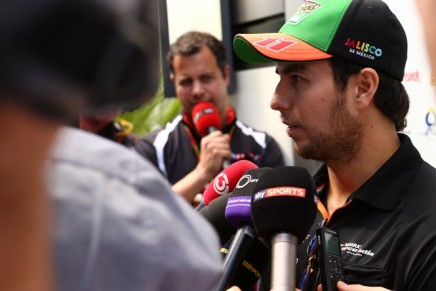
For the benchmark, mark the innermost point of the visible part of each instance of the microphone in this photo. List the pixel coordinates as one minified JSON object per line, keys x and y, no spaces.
{"x":253,"y":265}
{"x":238,"y":214}
{"x":225,"y":181}
{"x":207,"y":120}
{"x":214,"y":214}
{"x":256,"y":260}
{"x":283,"y":209}
{"x":215,"y":200}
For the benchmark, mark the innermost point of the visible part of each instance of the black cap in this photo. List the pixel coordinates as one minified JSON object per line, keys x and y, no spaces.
{"x":365,"y":32}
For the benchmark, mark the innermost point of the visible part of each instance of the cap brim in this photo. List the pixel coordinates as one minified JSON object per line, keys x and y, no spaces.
{"x":277,"y":47}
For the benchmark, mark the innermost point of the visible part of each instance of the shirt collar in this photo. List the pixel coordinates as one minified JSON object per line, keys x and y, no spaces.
{"x":388,"y":185}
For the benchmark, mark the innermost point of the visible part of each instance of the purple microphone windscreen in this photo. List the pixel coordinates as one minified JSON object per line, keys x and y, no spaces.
{"x":238,"y":208}
{"x":284,"y":201}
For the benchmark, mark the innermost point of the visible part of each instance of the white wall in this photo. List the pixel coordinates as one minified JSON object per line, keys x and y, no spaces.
{"x":203,"y":15}
{"x":255,"y":89}
{"x":419,"y":81}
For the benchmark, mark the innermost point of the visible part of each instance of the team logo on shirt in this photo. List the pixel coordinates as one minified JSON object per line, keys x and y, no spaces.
{"x":355,"y":249}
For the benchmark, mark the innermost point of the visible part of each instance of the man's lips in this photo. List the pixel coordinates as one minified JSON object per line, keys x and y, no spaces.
{"x":292,"y":127}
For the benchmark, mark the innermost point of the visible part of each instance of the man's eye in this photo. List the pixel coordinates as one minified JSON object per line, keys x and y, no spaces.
{"x":296,"y":78}
{"x":185,"y":83}
{"x":206,"y":78}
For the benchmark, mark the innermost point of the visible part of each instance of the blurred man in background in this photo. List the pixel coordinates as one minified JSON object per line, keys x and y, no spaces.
{"x":200,"y":72}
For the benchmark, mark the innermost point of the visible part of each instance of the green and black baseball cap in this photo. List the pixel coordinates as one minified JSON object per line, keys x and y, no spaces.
{"x":365,"y":32}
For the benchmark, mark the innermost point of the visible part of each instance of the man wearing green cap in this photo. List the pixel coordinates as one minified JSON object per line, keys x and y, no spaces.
{"x":341,"y":99}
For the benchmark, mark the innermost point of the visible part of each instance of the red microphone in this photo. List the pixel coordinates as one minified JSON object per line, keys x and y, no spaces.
{"x":206,"y":118}
{"x":225,"y":181}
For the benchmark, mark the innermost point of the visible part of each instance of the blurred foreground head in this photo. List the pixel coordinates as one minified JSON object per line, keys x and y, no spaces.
{"x":427,"y":10}
{"x":64,"y":56}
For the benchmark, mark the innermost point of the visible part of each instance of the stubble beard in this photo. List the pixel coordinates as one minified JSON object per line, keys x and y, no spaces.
{"x":340,"y":144}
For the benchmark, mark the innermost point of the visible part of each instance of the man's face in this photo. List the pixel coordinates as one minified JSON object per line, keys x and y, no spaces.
{"x":319,"y":118}
{"x":198,"y":78}
{"x":427,"y":10}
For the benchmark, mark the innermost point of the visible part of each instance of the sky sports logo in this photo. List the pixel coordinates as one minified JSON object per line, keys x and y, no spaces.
{"x":280,"y":191}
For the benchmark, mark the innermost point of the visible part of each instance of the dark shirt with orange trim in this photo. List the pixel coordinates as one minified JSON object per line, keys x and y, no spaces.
{"x":388,"y":226}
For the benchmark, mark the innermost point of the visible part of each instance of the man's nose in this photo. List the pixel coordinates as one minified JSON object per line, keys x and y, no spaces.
{"x":197,"y":89}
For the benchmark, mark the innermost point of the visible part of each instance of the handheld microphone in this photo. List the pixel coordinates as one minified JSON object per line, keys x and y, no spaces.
{"x":253,"y":265}
{"x":207,"y":120}
{"x":238,"y":213}
{"x":283,"y":209}
{"x":226,"y":180}
{"x":215,"y":202}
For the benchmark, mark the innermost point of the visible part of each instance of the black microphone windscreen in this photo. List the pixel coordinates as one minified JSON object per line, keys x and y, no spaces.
{"x":253,"y":265}
{"x":284,"y":201}
{"x":215,"y":214}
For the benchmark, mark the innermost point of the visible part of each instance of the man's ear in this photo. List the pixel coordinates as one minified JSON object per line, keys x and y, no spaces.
{"x":227,"y":74}
{"x":367,"y":81}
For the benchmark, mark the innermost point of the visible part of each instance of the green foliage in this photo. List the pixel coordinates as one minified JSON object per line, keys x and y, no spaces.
{"x":153,"y":114}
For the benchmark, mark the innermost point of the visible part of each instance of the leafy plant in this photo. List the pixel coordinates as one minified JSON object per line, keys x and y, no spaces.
{"x":153,"y":114}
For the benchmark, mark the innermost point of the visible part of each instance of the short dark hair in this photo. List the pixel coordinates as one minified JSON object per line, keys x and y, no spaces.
{"x":191,"y":42}
{"x":391,"y":97}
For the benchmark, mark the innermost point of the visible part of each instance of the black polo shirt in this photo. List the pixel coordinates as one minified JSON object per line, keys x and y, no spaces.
{"x":388,"y":226}
{"x":174,"y":149}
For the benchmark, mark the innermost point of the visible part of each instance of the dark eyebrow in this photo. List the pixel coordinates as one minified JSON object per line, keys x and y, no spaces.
{"x":291,"y":68}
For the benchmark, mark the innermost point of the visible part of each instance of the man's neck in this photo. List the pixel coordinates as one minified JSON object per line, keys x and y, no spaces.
{"x":344,"y":179}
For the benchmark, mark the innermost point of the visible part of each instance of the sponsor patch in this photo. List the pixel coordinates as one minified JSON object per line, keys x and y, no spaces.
{"x":355,"y":249}
{"x":305,"y":9}
{"x":274,"y":43}
{"x":363,"y":49}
